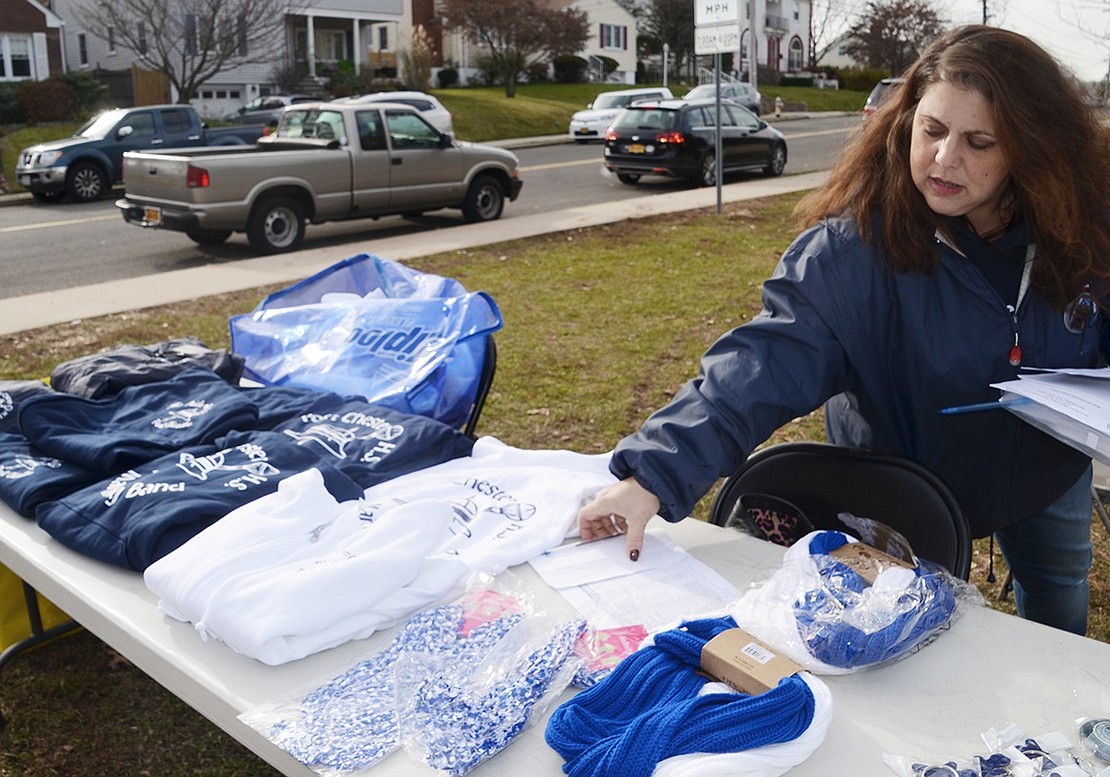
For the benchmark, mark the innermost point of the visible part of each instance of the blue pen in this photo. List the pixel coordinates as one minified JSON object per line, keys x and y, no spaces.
{"x":975,"y":408}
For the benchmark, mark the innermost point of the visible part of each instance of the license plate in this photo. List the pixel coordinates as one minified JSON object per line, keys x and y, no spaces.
{"x":583,"y":131}
{"x":152,"y":216}
{"x":635,"y":148}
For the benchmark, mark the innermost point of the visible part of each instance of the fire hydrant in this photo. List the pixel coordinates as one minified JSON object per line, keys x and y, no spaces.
{"x":778,"y":107}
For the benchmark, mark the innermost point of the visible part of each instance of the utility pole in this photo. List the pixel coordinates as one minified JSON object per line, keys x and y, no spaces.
{"x":984,"y":11}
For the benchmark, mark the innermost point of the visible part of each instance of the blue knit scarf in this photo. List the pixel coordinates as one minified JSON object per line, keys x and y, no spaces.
{"x":648,"y":709}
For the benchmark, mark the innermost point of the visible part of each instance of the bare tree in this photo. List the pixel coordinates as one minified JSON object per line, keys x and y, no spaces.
{"x":891,"y":33}
{"x":672,"y":22}
{"x":190,"y":41}
{"x":517,"y":33}
{"x":828,"y":21}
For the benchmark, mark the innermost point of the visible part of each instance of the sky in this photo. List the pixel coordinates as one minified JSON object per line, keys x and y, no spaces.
{"x":1052,"y":24}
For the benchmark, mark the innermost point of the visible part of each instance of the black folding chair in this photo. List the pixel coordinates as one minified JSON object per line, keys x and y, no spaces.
{"x":485,"y":382}
{"x":823,"y":480}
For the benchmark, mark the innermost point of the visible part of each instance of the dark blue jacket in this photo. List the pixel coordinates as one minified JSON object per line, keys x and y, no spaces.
{"x":886,"y":351}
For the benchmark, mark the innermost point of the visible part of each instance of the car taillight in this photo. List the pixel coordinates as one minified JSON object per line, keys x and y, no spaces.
{"x":196,"y":178}
{"x":610,"y":135}
{"x":671,"y":137}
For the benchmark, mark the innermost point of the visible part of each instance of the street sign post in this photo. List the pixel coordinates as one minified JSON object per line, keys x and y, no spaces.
{"x":716,"y":32}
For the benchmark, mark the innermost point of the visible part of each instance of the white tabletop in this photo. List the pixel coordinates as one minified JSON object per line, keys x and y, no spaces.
{"x":990,"y":668}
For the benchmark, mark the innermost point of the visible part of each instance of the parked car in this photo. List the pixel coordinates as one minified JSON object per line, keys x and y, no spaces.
{"x":678,"y":138}
{"x":431,"y":108}
{"x":87,"y":164}
{"x":324,"y":162}
{"x":267,"y":110}
{"x":591,"y":123}
{"x":737,"y":91}
{"x":880,"y":93}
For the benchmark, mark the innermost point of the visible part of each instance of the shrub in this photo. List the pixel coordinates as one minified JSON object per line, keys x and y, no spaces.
{"x":862,"y":79}
{"x":447,"y":77}
{"x":10,"y":110}
{"x":537,"y":73}
{"x":87,"y":91}
{"x":796,"y":81}
{"x":570,"y":69}
{"x":49,"y":100}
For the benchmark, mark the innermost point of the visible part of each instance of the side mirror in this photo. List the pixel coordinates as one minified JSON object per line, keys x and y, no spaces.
{"x":124,"y":131}
{"x":446,"y":140}
{"x":589,"y":106}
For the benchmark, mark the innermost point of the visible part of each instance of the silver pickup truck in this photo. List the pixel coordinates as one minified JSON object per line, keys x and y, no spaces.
{"x":325,"y":162}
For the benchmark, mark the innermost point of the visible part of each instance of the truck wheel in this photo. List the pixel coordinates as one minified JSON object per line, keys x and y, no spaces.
{"x":208,"y":237}
{"x":484,"y":200}
{"x":276,"y":225}
{"x":86,"y":182}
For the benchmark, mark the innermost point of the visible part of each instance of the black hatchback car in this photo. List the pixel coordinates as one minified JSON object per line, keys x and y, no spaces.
{"x":677,"y":138}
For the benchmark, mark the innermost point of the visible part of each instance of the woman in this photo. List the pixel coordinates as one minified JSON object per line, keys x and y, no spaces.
{"x":941,"y":255}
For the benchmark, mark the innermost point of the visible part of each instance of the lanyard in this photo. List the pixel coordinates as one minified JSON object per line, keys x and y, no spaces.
{"x":1026,"y":276}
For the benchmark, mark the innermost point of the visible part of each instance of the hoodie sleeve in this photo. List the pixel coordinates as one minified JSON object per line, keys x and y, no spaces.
{"x":781,"y":365}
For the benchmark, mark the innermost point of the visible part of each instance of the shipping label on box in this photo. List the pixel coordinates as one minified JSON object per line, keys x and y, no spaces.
{"x":741,"y":661}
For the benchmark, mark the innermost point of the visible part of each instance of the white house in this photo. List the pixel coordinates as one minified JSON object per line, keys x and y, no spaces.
{"x":612,"y":35}
{"x":780,"y":30}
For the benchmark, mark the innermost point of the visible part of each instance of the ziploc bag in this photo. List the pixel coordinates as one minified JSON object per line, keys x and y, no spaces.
{"x":374,"y":328}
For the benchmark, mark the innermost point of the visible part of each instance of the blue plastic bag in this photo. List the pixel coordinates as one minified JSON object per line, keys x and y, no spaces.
{"x":375,"y":328}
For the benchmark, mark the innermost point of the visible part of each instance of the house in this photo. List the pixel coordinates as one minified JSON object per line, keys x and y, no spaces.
{"x":30,"y":41}
{"x":322,"y":33}
{"x":612,"y":35}
{"x":780,"y":30}
{"x":318,"y":32}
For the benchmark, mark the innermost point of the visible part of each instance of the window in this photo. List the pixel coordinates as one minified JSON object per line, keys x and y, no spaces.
{"x":796,"y":55}
{"x":370,"y":130}
{"x":142,"y":37}
{"x":241,"y":34}
{"x":191,"y":34}
{"x":176,"y":121}
{"x":142,"y":124}
{"x":82,"y":49}
{"x":15,"y":57}
{"x":407,"y":130}
{"x":614,"y":36}
{"x":111,"y":40}
{"x":383,"y":38}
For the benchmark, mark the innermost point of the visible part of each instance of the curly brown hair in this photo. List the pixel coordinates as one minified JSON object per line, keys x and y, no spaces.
{"x":1059,"y":154}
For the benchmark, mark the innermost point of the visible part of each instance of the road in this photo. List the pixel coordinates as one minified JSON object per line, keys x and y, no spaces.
{"x":58,"y":246}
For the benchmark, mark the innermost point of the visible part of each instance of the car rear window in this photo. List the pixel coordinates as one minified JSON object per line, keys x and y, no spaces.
{"x":646,"y":118}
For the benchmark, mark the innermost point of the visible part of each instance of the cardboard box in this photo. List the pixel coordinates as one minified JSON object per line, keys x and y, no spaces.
{"x":741,"y":661}
{"x":866,"y":561}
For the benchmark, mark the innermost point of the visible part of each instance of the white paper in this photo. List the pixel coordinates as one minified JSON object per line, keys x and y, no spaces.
{"x":589,"y":562}
{"x":656,"y":599}
{"x":1078,"y":397}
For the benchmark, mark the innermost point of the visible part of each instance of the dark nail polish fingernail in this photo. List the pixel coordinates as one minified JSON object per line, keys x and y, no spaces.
{"x":634,"y":555}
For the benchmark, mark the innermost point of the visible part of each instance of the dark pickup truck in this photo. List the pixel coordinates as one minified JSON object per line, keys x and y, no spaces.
{"x":88,"y":164}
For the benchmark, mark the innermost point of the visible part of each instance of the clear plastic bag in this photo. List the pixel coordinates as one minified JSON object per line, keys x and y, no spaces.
{"x":826,"y":616}
{"x":453,"y":714}
{"x":348,"y":722}
{"x":374,"y":328}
